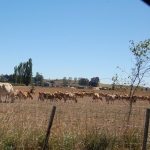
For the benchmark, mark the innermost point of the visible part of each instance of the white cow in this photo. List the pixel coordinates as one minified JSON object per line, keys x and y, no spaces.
{"x":6,"y":89}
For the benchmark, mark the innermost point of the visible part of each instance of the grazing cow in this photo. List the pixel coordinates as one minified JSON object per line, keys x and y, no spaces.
{"x":79,"y":94}
{"x":32,"y":91}
{"x":58,"y":95}
{"x":20,"y":95}
{"x":6,"y":89}
{"x":141,"y":98}
{"x":41,"y":96}
{"x":51,"y":96}
{"x":148,"y":98}
{"x":70,"y":96}
{"x":102,"y":94}
{"x":96,"y":97}
{"x":89,"y":94}
{"x":123,"y":97}
{"x":28,"y":95}
{"x":46,"y":96}
{"x":111,"y":98}
{"x":134,"y":98}
{"x":23,"y":95}
{"x":16,"y":94}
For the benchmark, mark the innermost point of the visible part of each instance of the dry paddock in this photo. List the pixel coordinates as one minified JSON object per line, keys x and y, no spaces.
{"x":83,"y":117}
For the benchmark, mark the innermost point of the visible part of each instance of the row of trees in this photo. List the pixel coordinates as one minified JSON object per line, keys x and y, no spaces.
{"x":71,"y":79}
{"x":6,"y":78}
{"x":93,"y":82}
{"x":23,"y":75}
{"x":38,"y":80}
{"x":82,"y":81}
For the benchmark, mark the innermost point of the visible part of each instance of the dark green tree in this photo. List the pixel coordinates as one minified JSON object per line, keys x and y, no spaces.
{"x":23,"y":73}
{"x":20,"y":73}
{"x":75,"y":79}
{"x":65,"y":81}
{"x":84,"y":81}
{"x":52,"y":83}
{"x":94,"y":81}
{"x":38,"y":79}
{"x":28,"y":72}
{"x":69,"y":79}
{"x":15,"y":75}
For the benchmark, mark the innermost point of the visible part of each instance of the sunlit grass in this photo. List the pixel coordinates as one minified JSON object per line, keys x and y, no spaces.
{"x":77,"y":126}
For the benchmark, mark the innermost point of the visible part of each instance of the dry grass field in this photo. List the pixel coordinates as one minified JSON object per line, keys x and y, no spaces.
{"x":85,"y":125}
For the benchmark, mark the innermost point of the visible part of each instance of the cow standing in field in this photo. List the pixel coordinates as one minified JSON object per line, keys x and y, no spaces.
{"x":79,"y":94}
{"x":6,"y":89}
{"x":41,"y":96}
{"x":111,"y":98}
{"x":45,"y":96}
{"x":22,"y":95}
{"x":70,"y":96}
{"x":32,"y":91}
{"x":96,"y":97}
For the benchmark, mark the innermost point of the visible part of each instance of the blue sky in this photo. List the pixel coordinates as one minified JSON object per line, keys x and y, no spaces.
{"x":80,"y":38}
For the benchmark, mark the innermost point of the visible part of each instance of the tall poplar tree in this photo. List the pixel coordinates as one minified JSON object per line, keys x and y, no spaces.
{"x":23,"y":73}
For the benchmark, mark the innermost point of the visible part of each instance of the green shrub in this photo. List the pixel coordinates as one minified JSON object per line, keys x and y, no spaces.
{"x":9,"y":142}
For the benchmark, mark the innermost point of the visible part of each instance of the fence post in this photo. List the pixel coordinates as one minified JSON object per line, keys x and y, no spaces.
{"x":146,"y":129}
{"x":49,"y":127}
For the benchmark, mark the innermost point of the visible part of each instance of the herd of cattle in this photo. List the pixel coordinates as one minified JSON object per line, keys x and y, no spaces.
{"x":7,"y":91}
{"x":110,"y":98}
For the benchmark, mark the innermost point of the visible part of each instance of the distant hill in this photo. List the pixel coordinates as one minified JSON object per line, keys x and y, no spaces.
{"x":59,"y":82}
{"x":105,"y":85}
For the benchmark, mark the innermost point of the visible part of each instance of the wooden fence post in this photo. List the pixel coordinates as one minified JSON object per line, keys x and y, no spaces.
{"x":49,"y":127}
{"x":146,"y":129}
